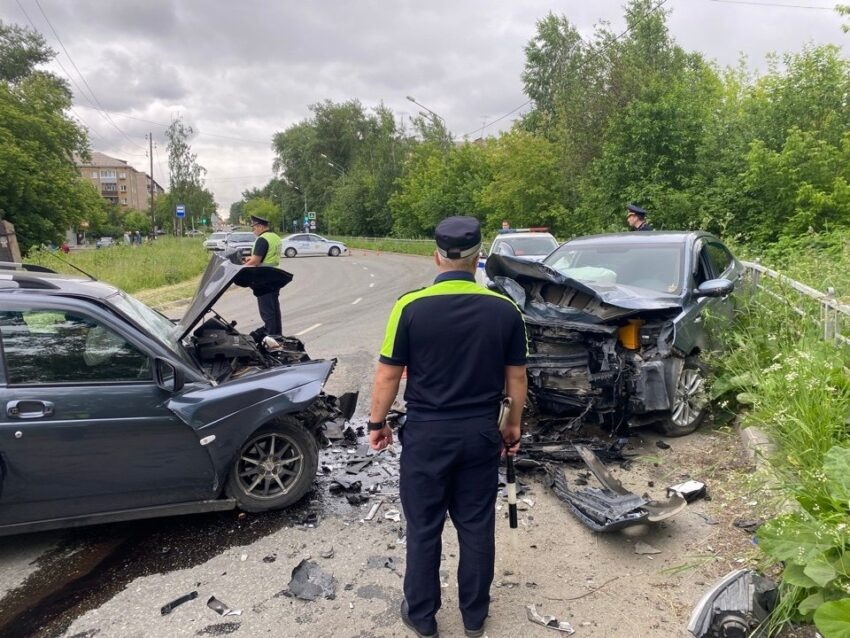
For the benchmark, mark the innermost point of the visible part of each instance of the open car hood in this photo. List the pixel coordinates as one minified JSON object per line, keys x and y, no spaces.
{"x":545,"y":294}
{"x":219,"y":275}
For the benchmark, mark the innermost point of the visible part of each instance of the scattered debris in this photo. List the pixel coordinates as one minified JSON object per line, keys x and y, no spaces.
{"x":550,"y":622}
{"x":373,"y":511}
{"x":327,"y":553}
{"x":221,"y":609}
{"x":735,"y":606}
{"x":612,"y":507}
{"x":269,"y":559}
{"x":357,"y":499}
{"x":645,"y":548}
{"x":748,"y":525}
{"x":662,"y":445}
{"x":169,"y":607}
{"x":689,"y":490}
{"x":220,"y":629}
{"x":358,"y":464}
{"x":393,"y":515}
{"x":309,"y":582}
{"x":342,"y":484}
{"x":243,"y":557}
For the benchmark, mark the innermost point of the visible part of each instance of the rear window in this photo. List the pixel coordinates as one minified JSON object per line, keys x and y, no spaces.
{"x":241,"y":237}
{"x":523,"y":246}
{"x":656,"y":267}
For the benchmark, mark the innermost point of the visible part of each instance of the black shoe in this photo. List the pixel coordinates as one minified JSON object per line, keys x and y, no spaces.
{"x":406,"y":620}
{"x":474,"y":633}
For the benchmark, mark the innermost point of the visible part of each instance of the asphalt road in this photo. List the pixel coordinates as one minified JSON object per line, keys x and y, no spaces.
{"x":337,"y":306}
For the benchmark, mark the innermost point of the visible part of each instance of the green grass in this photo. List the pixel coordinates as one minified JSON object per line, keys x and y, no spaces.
{"x":165,"y":262}
{"x":390,"y":245}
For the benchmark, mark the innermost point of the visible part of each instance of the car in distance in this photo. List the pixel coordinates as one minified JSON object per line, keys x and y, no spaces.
{"x":113,"y":412}
{"x":616,"y":324}
{"x":240,"y":242}
{"x":193,"y":233}
{"x":104,"y":242}
{"x":530,"y":244}
{"x":310,"y":244}
{"x":215,"y":241}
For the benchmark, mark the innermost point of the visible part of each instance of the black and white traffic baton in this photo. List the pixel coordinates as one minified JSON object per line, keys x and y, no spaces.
{"x":504,"y":413}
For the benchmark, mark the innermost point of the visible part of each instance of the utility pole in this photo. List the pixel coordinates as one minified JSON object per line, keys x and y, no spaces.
{"x":153,"y":215}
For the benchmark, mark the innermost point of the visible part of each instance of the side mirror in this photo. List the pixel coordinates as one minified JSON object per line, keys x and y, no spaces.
{"x":168,"y":376}
{"x":714,"y":288}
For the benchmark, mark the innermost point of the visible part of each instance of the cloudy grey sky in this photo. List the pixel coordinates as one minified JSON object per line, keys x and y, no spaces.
{"x":240,"y":71}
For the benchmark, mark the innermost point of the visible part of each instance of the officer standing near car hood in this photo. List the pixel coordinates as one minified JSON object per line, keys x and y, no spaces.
{"x":266,"y":252}
{"x":464,"y":347}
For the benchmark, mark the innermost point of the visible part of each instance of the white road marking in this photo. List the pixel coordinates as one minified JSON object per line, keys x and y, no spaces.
{"x":356,"y":301}
{"x":306,"y":330}
{"x":372,"y":285}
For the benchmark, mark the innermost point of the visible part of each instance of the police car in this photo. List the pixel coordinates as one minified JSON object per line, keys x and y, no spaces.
{"x":529,"y":244}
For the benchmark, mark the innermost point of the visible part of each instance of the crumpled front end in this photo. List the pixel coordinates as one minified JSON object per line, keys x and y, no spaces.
{"x":604,"y":352}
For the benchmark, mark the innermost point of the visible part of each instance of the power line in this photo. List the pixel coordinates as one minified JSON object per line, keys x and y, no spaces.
{"x":775,"y":4}
{"x":82,"y":77}
{"x":226,"y":137}
{"x":595,"y":53}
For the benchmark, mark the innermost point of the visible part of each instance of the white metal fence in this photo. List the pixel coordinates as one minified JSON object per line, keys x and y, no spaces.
{"x":831,"y":312}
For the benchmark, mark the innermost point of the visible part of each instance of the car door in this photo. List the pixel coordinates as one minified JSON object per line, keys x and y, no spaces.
{"x":318,"y":246}
{"x":84,"y":428}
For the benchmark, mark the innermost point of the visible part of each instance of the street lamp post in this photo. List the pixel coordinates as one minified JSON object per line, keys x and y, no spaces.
{"x":333,"y":164}
{"x":439,"y":117}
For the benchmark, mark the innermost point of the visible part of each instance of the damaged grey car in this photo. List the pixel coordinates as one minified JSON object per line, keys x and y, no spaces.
{"x":616,"y":325}
{"x":111,"y":411}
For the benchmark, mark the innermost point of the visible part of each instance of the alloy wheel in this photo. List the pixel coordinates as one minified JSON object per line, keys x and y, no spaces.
{"x":269,"y":466}
{"x":690,"y":398}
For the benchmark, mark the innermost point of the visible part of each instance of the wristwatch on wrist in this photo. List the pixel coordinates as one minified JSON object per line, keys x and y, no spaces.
{"x":372,"y":426}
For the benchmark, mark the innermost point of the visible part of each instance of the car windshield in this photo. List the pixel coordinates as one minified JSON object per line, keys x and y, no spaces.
{"x":523,"y":246}
{"x":159,"y":326}
{"x":654,"y":266}
{"x":234,"y":237}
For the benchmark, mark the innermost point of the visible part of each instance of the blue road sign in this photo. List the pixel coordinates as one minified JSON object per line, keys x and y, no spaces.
{"x":181,"y":210}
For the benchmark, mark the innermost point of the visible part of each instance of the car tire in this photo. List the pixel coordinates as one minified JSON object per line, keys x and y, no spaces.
{"x":690,"y":400}
{"x":334,"y":251}
{"x":290,"y":252}
{"x":274,"y":468}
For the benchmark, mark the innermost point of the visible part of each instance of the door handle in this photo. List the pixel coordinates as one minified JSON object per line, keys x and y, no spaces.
{"x":29,"y":409}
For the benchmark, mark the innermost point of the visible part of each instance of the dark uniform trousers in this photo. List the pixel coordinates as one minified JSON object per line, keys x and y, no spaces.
{"x":269,"y":306}
{"x":449,"y":466}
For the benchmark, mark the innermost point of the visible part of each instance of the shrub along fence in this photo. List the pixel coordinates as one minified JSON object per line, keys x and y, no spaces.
{"x":814,"y":305}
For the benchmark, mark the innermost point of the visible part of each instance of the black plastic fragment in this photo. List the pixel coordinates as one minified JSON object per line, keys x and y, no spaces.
{"x":309,"y":582}
{"x":169,"y":607}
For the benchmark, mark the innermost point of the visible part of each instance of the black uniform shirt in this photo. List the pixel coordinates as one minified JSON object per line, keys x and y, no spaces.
{"x":455,"y":338}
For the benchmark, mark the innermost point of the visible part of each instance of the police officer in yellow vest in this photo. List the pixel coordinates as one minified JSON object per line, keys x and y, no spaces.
{"x":266,"y":252}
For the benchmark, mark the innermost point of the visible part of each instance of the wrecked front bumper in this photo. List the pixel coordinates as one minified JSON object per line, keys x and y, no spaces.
{"x":584,"y":368}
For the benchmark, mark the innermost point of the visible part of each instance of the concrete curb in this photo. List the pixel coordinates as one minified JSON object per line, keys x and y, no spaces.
{"x":757,"y":445}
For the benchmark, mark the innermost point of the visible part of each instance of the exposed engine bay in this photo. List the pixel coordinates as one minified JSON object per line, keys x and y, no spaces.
{"x":225,"y":353}
{"x":607,"y":353}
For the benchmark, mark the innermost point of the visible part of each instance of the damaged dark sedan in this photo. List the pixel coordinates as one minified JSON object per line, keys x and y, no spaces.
{"x":616,"y":325}
{"x":111,"y":411}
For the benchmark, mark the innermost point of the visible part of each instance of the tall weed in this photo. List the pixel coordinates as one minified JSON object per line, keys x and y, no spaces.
{"x":164,"y":262}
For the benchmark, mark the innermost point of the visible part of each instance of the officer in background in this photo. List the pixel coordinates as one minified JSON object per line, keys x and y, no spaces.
{"x":464,"y":347}
{"x":266,"y":252}
{"x":636,"y":218}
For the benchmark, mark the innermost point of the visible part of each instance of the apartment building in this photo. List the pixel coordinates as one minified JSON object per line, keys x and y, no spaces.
{"x":117,"y":181}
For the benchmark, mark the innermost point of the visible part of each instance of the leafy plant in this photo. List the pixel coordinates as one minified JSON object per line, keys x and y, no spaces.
{"x":814,"y":545}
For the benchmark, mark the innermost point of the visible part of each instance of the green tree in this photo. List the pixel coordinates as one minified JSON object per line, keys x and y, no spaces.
{"x":186,"y":178}
{"x":265,"y":208}
{"x":41,"y":192}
